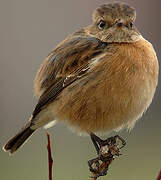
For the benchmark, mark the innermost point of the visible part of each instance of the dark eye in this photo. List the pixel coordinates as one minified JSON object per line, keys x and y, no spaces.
{"x":101,"y":24}
{"x":131,"y":24}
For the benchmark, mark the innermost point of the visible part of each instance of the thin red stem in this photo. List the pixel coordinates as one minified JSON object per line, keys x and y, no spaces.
{"x":159,"y":176}
{"x":50,"y":159}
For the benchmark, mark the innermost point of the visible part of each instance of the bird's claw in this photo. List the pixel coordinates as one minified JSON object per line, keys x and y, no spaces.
{"x":107,"y":150}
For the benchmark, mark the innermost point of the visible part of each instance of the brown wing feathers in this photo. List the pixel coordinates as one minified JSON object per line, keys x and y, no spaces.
{"x":70,"y":61}
{"x":66,"y":58}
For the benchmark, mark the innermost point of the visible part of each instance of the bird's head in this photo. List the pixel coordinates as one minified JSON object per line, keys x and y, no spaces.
{"x":114,"y":22}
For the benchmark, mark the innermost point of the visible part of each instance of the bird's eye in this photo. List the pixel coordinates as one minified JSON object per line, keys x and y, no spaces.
{"x":101,"y":24}
{"x":131,"y":24}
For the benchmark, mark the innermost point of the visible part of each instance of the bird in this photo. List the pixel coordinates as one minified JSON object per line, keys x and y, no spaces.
{"x":101,"y":78}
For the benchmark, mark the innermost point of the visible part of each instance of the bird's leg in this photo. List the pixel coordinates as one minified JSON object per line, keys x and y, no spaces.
{"x":101,"y":148}
{"x":121,"y":139}
{"x":96,"y":141}
{"x":94,"y":163}
{"x":107,"y":150}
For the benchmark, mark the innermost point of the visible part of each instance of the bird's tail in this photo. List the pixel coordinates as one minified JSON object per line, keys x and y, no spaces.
{"x":15,"y":142}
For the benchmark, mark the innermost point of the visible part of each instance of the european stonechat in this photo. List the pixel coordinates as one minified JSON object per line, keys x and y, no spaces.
{"x":100,"y":78}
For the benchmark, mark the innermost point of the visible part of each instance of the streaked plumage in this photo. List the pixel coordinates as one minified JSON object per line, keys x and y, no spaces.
{"x":97,"y":79}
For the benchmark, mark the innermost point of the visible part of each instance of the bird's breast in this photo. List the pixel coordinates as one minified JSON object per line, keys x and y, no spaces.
{"x":119,"y":88}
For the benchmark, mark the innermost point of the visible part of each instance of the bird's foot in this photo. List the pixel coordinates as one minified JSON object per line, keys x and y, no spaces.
{"x":107,"y":150}
{"x":111,"y":145}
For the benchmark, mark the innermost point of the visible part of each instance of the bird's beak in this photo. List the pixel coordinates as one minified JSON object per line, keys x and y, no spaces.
{"x":119,"y":23}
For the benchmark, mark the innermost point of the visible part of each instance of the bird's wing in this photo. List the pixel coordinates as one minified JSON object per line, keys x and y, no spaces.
{"x":68,"y":62}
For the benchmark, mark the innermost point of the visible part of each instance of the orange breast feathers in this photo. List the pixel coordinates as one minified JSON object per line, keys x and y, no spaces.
{"x":116,"y":93}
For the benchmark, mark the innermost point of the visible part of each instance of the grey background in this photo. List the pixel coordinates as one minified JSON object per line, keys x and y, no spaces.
{"x":29,"y":30}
